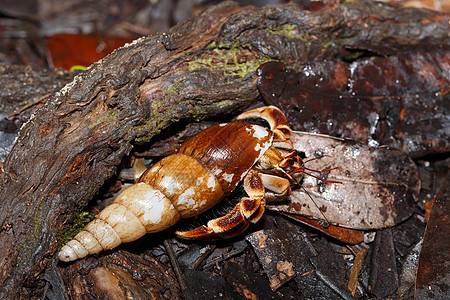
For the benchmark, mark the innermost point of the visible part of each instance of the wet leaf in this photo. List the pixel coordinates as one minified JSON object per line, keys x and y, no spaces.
{"x":400,"y":100}
{"x":203,"y":285}
{"x":288,"y":255}
{"x":383,"y":274}
{"x":409,"y":270}
{"x":274,"y":256}
{"x":376,"y":186}
{"x":433,"y":273}
{"x":248,"y":285}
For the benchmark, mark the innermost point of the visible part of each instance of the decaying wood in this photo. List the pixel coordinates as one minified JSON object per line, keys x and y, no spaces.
{"x":119,"y":275}
{"x":203,"y":67}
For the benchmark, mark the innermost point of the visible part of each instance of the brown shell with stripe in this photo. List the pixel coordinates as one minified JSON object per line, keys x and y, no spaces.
{"x":229,"y":150}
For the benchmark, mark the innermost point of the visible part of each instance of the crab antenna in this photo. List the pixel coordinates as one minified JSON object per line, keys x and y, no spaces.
{"x":302,"y":169}
{"x":318,"y":178}
{"x":306,"y":192}
{"x":315,"y":204}
{"x":321,"y":179}
{"x":322,"y":171}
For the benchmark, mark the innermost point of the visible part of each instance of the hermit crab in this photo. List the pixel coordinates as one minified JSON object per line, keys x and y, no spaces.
{"x":206,"y":168}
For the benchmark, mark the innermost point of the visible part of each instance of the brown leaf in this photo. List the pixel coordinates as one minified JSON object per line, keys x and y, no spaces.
{"x":376,"y":189}
{"x":433,"y":273}
{"x":274,"y":256}
{"x":383,"y":274}
{"x":345,"y":235}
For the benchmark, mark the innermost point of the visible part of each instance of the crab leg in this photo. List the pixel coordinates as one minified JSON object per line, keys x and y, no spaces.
{"x":249,"y":209}
{"x":276,"y":185}
{"x":277,"y":122}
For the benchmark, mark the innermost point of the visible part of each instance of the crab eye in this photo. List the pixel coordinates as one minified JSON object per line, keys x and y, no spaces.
{"x":301,"y":154}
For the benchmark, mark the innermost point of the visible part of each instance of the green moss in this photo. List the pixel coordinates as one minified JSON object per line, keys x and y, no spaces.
{"x":172,"y":89}
{"x":233,"y":60}
{"x":111,"y":119}
{"x":80,"y":221}
{"x":134,"y":71}
{"x":287,"y":30}
{"x":328,"y":44}
{"x":337,"y":42}
{"x":213,"y":45}
{"x":156,"y":122}
{"x":291,"y":32}
{"x":32,"y":240}
{"x":305,"y":38}
{"x":165,"y":111}
{"x":222,"y":103}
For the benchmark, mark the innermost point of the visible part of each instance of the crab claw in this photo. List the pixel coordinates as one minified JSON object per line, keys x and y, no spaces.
{"x":230,"y":225}
{"x":235,"y":222}
{"x":201,"y":233}
{"x":274,"y":116}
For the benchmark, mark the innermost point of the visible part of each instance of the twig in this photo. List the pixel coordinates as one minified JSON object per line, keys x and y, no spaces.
{"x":26,"y":106}
{"x":357,"y":264}
{"x":175,"y":266}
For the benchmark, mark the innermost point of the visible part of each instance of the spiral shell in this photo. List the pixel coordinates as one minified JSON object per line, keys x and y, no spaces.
{"x":206,"y":168}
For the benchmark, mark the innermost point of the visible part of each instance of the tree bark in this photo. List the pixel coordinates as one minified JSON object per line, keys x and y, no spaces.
{"x":203,"y":67}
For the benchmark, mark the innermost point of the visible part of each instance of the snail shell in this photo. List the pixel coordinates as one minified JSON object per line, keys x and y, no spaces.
{"x":206,"y":168}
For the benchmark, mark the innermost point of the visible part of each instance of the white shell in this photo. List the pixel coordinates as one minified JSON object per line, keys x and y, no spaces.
{"x":138,"y":210}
